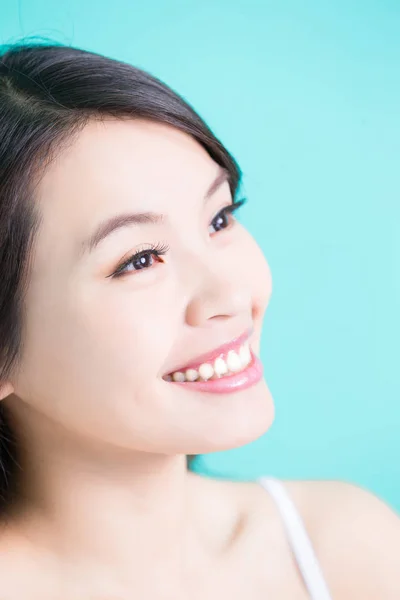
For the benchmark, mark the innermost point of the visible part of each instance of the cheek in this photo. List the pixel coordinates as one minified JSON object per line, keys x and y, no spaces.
{"x":140,"y":333}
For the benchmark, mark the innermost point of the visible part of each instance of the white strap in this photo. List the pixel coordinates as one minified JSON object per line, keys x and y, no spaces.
{"x":299,"y":539}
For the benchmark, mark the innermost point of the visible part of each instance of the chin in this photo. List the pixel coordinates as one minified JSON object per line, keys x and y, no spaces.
{"x":225,"y":421}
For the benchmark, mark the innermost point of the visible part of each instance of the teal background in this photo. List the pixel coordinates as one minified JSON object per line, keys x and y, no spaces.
{"x":306,"y":95}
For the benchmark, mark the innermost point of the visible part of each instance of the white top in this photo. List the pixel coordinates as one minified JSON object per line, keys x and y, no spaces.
{"x":298,"y":538}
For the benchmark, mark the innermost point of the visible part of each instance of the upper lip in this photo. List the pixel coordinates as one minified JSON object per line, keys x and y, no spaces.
{"x":213,"y":354}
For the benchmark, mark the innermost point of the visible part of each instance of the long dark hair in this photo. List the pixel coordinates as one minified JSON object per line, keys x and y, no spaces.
{"x":48,"y":93}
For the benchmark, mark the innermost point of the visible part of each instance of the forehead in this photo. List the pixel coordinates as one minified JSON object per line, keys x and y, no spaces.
{"x":112,"y":159}
{"x":114,"y":166}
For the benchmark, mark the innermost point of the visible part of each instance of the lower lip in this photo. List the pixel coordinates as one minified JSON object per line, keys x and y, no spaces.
{"x":232,"y":383}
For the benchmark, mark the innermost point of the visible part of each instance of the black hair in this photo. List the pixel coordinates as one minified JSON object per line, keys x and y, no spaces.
{"x":48,"y":93}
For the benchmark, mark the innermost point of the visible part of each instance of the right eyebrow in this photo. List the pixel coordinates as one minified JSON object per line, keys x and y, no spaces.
{"x":117,"y":222}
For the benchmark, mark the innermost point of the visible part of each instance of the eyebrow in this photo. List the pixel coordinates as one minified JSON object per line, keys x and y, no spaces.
{"x":110,"y":225}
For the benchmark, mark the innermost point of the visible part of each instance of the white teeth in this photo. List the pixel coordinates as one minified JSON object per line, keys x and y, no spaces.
{"x":220,"y":367}
{"x":178,"y":376}
{"x":191,"y":375}
{"x":233,"y":361}
{"x":206,"y":371}
{"x":244,"y":354}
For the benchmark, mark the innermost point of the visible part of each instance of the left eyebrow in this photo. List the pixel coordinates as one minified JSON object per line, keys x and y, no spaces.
{"x":105,"y":228}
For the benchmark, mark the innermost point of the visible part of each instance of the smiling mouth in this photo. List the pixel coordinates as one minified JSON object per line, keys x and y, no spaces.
{"x":226,"y":364}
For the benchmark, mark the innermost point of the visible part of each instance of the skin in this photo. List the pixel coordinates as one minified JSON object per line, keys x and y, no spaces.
{"x":105,"y":437}
{"x":107,"y":500}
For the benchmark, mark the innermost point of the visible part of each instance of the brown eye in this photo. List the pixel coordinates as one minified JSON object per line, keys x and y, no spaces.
{"x":142,"y":260}
{"x":219,"y":222}
{"x":221,"y":219}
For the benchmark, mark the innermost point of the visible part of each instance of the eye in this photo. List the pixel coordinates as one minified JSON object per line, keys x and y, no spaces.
{"x":221,"y":219}
{"x":144,"y":259}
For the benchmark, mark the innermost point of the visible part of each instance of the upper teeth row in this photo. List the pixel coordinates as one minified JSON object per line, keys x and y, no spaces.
{"x":232,"y":363}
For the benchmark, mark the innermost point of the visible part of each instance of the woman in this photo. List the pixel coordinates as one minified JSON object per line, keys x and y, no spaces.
{"x":131,"y":309}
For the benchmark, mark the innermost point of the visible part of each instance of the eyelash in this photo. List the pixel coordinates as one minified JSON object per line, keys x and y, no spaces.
{"x":161,"y":249}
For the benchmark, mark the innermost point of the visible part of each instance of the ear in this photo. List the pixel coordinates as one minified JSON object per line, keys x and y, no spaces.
{"x":5,"y":390}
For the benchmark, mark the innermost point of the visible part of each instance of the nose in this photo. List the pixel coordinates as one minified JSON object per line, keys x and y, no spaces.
{"x":217,"y":296}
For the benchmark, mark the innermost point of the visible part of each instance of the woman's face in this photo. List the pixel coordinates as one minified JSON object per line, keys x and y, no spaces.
{"x":97,"y":346}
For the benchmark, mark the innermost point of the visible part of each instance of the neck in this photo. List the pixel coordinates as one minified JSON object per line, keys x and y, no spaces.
{"x":120,"y":514}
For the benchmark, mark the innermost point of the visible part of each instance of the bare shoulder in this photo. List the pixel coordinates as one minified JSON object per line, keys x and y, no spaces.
{"x":355,"y":534}
{"x":358,"y":537}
